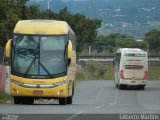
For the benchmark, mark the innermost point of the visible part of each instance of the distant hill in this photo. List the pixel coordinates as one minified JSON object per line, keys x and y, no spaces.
{"x":132,"y":17}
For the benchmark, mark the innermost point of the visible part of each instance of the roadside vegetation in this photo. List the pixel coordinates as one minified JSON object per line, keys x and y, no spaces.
{"x":100,"y":71}
{"x":93,"y":70}
{"x":154,"y":73}
{"x":5,"y":97}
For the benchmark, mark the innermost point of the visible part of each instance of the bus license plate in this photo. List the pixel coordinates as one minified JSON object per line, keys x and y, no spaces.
{"x":133,"y":81}
{"x":38,"y":92}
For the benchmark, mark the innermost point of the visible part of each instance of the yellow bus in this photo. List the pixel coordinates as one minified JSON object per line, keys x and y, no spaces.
{"x":43,"y":60}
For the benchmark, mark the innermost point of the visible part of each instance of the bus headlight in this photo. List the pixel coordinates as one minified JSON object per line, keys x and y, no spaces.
{"x":16,"y":82}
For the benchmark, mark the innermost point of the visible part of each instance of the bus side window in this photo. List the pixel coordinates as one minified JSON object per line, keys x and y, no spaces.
{"x":117,"y":59}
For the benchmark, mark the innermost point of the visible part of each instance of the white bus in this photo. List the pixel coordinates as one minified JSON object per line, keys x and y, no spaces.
{"x":131,"y":67}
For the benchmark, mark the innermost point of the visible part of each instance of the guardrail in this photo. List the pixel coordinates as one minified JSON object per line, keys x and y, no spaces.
{"x":109,"y":55}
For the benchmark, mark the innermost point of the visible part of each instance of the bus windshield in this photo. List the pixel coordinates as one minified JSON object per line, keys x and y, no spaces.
{"x":39,"y":56}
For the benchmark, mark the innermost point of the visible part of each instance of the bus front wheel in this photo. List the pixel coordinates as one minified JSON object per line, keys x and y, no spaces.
{"x":66,"y":100}
{"x":69,"y":100}
{"x":63,"y":101}
{"x":141,"y":87}
{"x":121,"y":87}
{"x":17,"y":100}
{"x":116,"y":85}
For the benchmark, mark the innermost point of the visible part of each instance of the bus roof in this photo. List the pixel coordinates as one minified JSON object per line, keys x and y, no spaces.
{"x":121,"y":50}
{"x":48,"y":27}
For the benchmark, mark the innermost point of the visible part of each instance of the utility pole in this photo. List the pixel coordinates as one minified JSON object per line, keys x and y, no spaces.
{"x":89,"y":9}
{"x":148,"y":54}
{"x":48,"y":4}
{"x":89,"y":15}
{"x":89,"y":49}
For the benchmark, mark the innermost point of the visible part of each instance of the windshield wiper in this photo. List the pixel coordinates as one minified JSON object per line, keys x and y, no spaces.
{"x":34,"y":55}
{"x":29,"y":67}
{"x":45,"y":69}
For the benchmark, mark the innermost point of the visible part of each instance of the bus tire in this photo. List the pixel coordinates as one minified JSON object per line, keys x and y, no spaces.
{"x":69,"y":100}
{"x":27,"y":100}
{"x":17,"y":100}
{"x":30,"y":101}
{"x":73,"y":88}
{"x":141,"y":87}
{"x":121,"y":87}
{"x":116,"y":85}
{"x":63,"y":101}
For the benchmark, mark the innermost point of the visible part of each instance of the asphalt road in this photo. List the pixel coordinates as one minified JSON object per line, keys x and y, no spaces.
{"x":91,"y":99}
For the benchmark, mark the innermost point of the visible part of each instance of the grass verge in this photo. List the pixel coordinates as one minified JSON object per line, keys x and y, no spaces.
{"x":154,"y":73}
{"x":5,"y":97}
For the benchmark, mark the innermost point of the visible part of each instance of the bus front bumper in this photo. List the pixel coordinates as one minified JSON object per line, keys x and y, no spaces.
{"x":41,"y":91}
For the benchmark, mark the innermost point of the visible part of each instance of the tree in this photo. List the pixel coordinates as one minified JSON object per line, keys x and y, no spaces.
{"x":10,"y":12}
{"x":152,"y":38}
{"x":33,"y":12}
{"x":9,"y":15}
{"x":116,"y":40}
{"x":84,"y":28}
{"x":127,"y":42}
{"x":13,"y":10}
{"x":111,"y":41}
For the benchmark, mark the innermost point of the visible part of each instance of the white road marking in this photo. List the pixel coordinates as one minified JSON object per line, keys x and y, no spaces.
{"x":112,"y":103}
{"x":74,"y":115}
{"x":116,"y":96}
{"x":99,"y":106}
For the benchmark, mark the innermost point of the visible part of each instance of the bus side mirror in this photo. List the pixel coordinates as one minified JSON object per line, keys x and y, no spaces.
{"x":70,"y":48}
{"x":8,"y":48}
